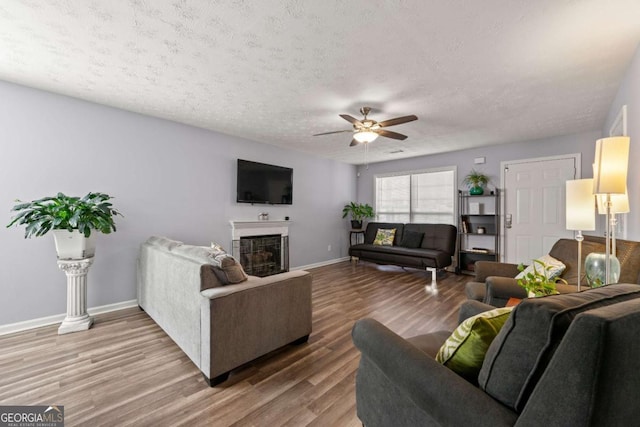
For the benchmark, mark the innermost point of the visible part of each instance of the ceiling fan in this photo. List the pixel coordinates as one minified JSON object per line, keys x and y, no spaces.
{"x":367,"y":130}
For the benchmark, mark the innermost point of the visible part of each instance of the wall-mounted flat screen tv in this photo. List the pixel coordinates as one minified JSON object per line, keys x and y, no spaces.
{"x":263,"y":183}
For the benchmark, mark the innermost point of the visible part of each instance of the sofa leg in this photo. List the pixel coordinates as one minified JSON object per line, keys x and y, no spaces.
{"x":217,"y":380}
{"x":301,"y":340}
{"x":433,"y":287}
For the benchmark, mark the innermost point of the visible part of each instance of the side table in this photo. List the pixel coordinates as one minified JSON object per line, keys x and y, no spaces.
{"x":355,"y":233}
{"x":77,"y":318}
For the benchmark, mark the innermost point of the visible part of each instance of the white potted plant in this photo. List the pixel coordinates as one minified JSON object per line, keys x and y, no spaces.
{"x":71,"y":219}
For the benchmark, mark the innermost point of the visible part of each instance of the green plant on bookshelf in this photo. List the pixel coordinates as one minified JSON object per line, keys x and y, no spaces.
{"x":476,"y":182}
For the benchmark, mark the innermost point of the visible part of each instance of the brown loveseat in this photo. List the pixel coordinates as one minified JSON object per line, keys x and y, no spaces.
{"x":495,"y":282}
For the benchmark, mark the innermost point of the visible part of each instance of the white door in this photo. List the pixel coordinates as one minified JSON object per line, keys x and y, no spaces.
{"x":534,"y":215}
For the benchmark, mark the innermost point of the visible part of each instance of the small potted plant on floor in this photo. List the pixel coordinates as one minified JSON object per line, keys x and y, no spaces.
{"x":358,"y":212}
{"x":537,"y":282}
{"x":72,"y":220}
{"x":476,"y":182}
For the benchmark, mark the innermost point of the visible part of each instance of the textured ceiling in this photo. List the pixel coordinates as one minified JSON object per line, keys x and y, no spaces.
{"x":277,"y":71}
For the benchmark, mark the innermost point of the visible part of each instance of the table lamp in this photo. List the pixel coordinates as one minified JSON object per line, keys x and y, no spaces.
{"x":580,"y":211}
{"x":609,"y":178}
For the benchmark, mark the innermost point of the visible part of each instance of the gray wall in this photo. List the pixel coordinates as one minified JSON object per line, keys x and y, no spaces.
{"x":579,"y":143}
{"x":629,"y":94}
{"x":167,"y":179}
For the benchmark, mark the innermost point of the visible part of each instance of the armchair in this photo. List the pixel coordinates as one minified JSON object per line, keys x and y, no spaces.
{"x":495,"y":282}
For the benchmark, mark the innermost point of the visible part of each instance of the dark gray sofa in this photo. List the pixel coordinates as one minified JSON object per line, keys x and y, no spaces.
{"x":561,"y":360}
{"x":435,"y":251}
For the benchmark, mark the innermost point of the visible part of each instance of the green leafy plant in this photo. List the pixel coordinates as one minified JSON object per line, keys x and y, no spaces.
{"x":476,"y":179}
{"x":358,"y":211}
{"x":92,"y":212}
{"x":538,"y":282}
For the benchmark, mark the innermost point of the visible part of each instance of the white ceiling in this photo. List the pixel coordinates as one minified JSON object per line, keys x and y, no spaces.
{"x":277,"y":71}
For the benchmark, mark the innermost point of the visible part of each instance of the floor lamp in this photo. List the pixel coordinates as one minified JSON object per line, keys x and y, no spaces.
{"x":610,"y":178}
{"x":581,"y":212}
{"x":619,"y":205}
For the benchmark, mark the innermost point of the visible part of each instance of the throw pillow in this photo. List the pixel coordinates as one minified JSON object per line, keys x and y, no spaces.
{"x":385,"y":237}
{"x":217,"y":249}
{"x":411,"y":239}
{"x":557,"y":267}
{"x":463,"y":352}
{"x":228,"y":270}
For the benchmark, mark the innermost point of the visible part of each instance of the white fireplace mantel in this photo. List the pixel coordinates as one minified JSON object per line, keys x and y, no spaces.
{"x":258,"y":228}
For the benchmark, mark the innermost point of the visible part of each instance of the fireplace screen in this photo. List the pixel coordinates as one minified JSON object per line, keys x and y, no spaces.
{"x":263,"y":255}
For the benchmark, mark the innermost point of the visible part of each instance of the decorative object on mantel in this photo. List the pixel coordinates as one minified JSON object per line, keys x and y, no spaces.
{"x":540,"y":280}
{"x":263,"y":216}
{"x":476,"y":182}
{"x":71,"y":219}
{"x":580,"y":212}
{"x":358,"y":212}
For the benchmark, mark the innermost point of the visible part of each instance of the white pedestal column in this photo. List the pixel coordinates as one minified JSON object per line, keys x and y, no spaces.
{"x":77,"y":318}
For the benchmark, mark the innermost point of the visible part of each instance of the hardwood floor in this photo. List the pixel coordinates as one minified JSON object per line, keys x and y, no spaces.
{"x":126,"y":371}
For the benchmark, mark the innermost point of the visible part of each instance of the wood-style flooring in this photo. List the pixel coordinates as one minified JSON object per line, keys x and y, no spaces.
{"x":126,"y":371}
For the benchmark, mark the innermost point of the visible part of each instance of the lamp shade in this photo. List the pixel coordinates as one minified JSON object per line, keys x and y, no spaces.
{"x":581,"y":206}
{"x":619,"y":203}
{"x":365,"y":136}
{"x":611,"y":164}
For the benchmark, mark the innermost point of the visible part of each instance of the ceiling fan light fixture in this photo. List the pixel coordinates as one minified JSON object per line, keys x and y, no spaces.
{"x":365,"y":136}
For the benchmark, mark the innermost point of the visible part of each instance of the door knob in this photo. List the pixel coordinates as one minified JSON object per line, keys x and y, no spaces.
{"x":507,"y":221}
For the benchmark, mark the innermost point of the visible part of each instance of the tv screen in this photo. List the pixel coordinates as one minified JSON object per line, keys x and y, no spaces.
{"x":262,"y":183}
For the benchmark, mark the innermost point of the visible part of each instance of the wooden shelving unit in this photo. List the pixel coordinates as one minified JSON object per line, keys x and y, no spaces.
{"x":478,"y":229}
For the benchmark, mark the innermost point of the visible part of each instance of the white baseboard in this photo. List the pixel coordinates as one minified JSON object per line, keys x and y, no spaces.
{"x":57,"y":318}
{"x":321,"y":264}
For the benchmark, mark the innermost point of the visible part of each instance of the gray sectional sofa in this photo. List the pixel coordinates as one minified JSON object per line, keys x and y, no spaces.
{"x":560,"y":360}
{"x":434,"y":250}
{"x":220,"y":327}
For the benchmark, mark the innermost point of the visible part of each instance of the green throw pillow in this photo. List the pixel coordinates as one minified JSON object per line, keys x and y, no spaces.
{"x":463,"y":352}
{"x":385,"y":237}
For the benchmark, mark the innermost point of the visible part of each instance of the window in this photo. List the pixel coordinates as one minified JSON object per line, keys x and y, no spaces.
{"x":421,"y":197}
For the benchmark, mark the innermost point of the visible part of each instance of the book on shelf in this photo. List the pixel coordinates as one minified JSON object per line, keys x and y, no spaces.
{"x":478,"y":250}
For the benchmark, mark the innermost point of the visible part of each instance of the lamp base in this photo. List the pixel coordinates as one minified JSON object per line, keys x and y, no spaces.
{"x":595,"y":269}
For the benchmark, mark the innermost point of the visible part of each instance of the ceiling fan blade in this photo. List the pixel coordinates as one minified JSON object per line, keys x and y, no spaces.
{"x":389,"y":134}
{"x":353,"y":143}
{"x":329,"y":133}
{"x":351,"y":120}
{"x":397,"y":121}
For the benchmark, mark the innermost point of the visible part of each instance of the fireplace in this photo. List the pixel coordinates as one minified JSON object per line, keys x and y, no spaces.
{"x":263,"y":255}
{"x":261,"y":247}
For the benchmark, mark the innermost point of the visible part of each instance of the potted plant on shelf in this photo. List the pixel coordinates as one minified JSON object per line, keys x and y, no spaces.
{"x":537,"y":282}
{"x":476,"y":182}
{"x":72,"y":220}
{"x":359,"y":212}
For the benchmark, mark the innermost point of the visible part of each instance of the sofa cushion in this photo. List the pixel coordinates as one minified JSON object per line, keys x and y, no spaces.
{"x":411,"y":239}
{"x":201,"y":254}
{"x":520,"y":353}
{"x":556,"y":267}
{"x":230,"y":271}
{"x":464,"y":351}
{"x":384,"y":237}
{"x":163,"y":242}
{"x":436,"y":236}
